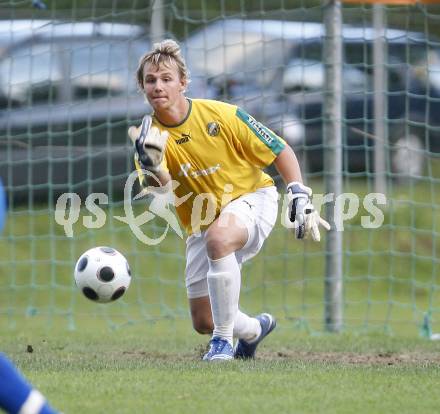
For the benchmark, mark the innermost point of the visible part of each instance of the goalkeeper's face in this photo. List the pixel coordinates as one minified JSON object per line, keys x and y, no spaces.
{"x":163,"y":86}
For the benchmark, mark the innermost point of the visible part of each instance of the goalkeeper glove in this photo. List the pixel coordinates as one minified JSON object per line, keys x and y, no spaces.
{"x":149,"y":143}
{"x":301,"y":212}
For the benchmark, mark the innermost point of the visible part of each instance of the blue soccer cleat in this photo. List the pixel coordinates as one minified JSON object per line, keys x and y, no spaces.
{"x":245,"y":350}
{"x":220,"y":350}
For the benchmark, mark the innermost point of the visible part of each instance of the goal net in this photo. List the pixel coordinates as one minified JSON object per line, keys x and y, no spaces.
{"x":68,"y":95}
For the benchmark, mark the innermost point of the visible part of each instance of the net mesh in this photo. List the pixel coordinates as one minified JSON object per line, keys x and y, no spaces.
{"x":68,"y":94}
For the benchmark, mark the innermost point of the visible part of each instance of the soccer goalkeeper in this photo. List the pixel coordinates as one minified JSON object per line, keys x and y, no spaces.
{"x":216,"y":153}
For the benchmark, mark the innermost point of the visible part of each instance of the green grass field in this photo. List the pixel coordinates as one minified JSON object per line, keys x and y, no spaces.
{"x":155,"y":368}
{"x":141,"y":355}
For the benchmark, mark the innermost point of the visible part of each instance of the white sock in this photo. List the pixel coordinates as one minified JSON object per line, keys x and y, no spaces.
{"x":33,"y":404}
{"x":246,"y":328}
{"x":224,"y":279}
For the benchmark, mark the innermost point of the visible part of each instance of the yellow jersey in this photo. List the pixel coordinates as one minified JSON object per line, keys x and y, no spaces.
{"x":216,"y":154}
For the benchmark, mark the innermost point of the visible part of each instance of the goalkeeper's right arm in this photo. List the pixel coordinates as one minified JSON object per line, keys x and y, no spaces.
{"x":150,"y":144}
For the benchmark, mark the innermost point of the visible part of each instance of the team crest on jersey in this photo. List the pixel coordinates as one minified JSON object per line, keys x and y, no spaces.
{"x":213,"y":129}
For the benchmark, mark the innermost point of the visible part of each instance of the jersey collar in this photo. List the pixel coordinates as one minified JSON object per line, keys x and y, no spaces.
{"x":182,"y":121}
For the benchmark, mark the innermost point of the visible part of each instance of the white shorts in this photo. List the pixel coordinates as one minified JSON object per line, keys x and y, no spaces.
{"x":258,"y":213}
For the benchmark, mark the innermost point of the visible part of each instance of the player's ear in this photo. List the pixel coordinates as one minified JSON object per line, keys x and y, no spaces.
{"x":183,"y":84}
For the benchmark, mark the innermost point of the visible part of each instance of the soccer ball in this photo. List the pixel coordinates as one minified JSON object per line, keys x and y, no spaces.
{"x":102,"y":274}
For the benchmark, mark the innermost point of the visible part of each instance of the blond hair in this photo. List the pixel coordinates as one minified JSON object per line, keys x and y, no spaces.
{"x":166,"y":52}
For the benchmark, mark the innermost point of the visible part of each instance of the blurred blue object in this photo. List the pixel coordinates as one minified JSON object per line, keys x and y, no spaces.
{"x":38,"y":4}
{"x":2,"y":206}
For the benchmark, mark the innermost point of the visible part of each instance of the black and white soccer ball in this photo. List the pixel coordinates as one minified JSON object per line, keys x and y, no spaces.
{"x":102,"y":274}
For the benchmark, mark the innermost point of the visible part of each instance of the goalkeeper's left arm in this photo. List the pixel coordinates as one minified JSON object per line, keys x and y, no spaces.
{"x":301,"y":212}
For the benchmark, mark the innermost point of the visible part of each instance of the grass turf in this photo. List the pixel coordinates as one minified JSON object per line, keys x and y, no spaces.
{"x":156,"y":368}
{"x":116,"y":359}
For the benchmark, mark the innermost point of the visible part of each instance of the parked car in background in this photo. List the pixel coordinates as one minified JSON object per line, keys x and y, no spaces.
{"x":274,"y":69}
{"x":67,"y":95}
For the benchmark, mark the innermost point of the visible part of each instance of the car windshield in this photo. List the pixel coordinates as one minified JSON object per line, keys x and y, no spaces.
{"x":42,"y":72}
{"x":216,"y":52}
{"x":303,"y":75}
{"x":103,"y":65}
{"x":32,"y":65}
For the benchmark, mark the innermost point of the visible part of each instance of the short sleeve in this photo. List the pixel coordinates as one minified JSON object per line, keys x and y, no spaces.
{"x":260,"y":145}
